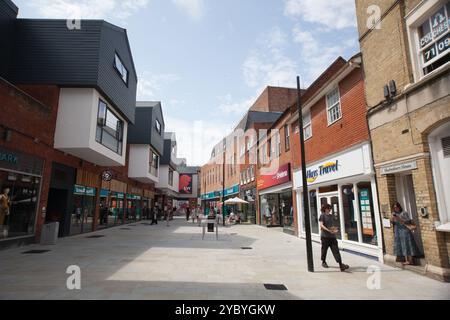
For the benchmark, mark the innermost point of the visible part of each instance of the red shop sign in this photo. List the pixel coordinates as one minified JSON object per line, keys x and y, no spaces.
{"x":282,"y":175}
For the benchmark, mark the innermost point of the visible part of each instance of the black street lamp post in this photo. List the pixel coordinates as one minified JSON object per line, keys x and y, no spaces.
{"x":309,"y":253}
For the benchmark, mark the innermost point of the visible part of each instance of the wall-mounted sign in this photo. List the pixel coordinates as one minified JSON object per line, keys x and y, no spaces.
{"x":396,"y":168}
{"x":84,"y":191}
{"x":281,"y":176}
{"x":107,"y":175}
{"x":232,"y":190}
{"x":18,"y":161}
{"x":325,"y":169}
{"x":185,"y":184}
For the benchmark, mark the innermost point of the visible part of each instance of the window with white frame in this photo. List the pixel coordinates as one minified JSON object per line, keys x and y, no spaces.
{"x":287,"y":137}
{"x":307,"y":126}
{"x":333,"y":106}
{"x":433,"y":37}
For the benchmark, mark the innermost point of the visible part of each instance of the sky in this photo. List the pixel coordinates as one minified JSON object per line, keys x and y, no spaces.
{"x":208,"y":60}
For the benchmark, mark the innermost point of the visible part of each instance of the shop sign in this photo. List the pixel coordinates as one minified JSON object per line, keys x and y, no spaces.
{"x":8,"y":157}
{"x":104,"y":193}
{"x":79,"y":190}
{"x":84,"y":191}
{"x":212,"y":195}
{"x":281,"y":176}
{"x":232,"y":190}
{"x":185,"y":184}
{"x":399,"y":168}
{"x":133,"y":197}
{"x":20,"y":162}
{"x":327,"y":168}
{"x":349,"y":164}
{"x":117,"y":195}
{"x":90,"y":192}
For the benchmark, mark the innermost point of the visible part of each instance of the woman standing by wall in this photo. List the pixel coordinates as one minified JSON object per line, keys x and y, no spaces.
{"x":404,"y":243}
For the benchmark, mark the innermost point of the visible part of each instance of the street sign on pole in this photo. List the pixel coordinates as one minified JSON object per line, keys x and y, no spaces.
{"x":309,"y":253}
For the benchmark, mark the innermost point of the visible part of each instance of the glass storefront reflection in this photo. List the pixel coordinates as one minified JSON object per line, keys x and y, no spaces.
{"x":83,"y":210}
{"x":18,"y":204}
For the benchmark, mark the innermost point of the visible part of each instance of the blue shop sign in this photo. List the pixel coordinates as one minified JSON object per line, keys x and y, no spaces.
{"x":79,"y":190}
{"x":91,"y":192}
{"x":104,"y":193}
{"x":232,"y":190}
{"x":212,"y":195}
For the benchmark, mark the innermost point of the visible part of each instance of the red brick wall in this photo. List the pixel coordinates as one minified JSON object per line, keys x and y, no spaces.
{"x":350,"y":130}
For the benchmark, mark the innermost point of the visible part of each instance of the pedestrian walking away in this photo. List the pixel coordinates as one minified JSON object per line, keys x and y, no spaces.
{"x":188,"y":213}
{"x":154,"y":215}
{"x":328,"y":237}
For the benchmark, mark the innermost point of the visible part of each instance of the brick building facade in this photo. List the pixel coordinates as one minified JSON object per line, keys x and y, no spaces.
{"x":406,"y":57}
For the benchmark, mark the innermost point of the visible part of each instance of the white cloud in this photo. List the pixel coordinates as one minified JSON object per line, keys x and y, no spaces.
{"x":336,"y":14}
{"x":194,"y":8}
{"x":228,"y":106}
{"x":87,"y":9}
{"x":318,"y":56}
{"x":151,"y":85}
{"x":196,"y":139}
{"x":268,"y":65}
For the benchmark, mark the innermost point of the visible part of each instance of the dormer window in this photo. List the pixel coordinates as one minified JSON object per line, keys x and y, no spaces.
{"x":158,"y":126}
{"x":121,"y":68}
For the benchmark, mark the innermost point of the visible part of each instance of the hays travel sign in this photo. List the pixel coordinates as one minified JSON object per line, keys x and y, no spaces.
{"x":330,"y":167}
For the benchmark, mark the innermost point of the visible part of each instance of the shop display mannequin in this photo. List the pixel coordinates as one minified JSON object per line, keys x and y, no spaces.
{"x":4,"y":206}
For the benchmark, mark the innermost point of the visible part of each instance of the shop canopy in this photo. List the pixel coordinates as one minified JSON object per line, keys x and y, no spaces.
{"x":236,"y":201}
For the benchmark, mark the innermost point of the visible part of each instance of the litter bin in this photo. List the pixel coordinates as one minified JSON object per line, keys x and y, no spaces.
{"x":211,"y":224}
{"x":49,"y":233}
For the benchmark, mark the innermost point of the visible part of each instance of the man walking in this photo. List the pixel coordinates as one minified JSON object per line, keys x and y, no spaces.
{"x":328,"y":237}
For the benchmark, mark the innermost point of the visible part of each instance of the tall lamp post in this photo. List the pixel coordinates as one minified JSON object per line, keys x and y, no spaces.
{"x":309,"y":253}
{"x":223,"y":186}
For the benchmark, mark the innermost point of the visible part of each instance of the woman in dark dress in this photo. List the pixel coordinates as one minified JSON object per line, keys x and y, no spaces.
{"x":404,"y":243}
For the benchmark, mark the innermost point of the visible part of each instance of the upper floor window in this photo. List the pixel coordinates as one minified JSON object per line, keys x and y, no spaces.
{"x":154,"y":163}
{"x":121,"y":68}
{"x":170,"y":177}
{"x":307,"y":127}
{"x":158,"y":126}
{"x":110,"y":128}
{"x":287,"y":138}
{"x":333,"y":106}
{"x":434,"y":40}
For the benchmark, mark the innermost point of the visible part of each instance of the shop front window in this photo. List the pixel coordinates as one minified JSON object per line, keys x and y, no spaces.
{"x":18,"y":204}
{"x":333,"y":200}
{"x":83,"y":210}
{"x":314,"y":213}
{"x":434,"y":40}
{"x":367,"y":215}
{"x":287,"y":210}
{"x":269,"y":210}
{"x":350,"y":219}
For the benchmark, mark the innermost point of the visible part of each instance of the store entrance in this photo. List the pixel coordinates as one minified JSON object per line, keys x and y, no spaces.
{"x":407,"y":198}
{"x":57,"y":207}
{"x":333,"y":200}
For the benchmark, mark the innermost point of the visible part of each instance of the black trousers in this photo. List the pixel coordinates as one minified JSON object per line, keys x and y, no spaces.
{"x":154,"y":219}
{"x":333,"y":244}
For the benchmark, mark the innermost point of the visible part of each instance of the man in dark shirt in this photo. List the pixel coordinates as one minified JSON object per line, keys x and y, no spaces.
{"x":328,"y":237}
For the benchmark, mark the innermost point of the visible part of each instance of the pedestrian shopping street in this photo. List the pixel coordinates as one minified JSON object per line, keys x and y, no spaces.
{"x":140,"y":261}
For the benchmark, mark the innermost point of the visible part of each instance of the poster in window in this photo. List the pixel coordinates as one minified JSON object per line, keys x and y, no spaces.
{"x":185,"y":185}
{"x":366,"y":212}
